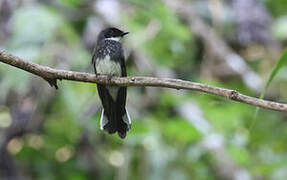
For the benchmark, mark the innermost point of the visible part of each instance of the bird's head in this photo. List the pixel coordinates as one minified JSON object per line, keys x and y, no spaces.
{"x":112,"y":34}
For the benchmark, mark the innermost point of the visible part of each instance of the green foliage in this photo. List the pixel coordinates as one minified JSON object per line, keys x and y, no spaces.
{"x":179,"y":131}
{"x":280,"y":27}
{"x":70,"y":3}
{"x":171,"y":42}
{"x":282,"y":61}
{"x":280,"y":64}
{"x":277,"y":8}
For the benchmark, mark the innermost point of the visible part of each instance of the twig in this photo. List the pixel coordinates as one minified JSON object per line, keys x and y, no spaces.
{"x":53,"y":75}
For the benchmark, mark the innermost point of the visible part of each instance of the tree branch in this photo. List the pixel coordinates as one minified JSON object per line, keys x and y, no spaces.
{"x":52,"y":75}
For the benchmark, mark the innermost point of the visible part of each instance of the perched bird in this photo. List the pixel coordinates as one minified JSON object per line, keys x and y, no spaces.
{"x":108,"y":59}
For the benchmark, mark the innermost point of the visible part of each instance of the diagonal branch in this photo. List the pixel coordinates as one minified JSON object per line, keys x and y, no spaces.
{"x":215,"y":45}
{"x":52,"y":75}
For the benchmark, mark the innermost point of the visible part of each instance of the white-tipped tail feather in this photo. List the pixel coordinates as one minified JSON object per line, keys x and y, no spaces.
{"x":127,"y":119}
{"x":104,"y":120}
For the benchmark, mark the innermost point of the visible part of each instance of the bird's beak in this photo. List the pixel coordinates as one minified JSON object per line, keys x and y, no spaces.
{"x":125,"y":33}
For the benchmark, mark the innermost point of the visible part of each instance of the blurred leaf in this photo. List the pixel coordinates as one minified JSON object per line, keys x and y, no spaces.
{"x":34,"y":26}
{"x":277,"y":8}
{"x":240,"y":155}
{"x":179,"y":130}
{"x":280,"y":28}
{"x":282,"y":61}
{"x":70,"y":3}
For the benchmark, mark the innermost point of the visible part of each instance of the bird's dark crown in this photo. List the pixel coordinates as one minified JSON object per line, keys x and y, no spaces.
{"x":110,"y":33}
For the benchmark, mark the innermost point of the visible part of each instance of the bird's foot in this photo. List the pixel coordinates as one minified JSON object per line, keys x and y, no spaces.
{"x":110,"y":76}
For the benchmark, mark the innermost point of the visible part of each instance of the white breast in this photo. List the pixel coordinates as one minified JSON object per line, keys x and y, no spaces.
{"x":108,"y":67}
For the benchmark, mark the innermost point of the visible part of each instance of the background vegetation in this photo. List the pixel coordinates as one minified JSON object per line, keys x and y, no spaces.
{"x":54,"y":134}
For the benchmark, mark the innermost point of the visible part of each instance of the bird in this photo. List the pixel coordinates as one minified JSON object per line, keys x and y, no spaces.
{"x":108,"y":59}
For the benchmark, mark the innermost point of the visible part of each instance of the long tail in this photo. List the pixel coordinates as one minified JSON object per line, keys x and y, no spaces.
{"x":120,"y":124}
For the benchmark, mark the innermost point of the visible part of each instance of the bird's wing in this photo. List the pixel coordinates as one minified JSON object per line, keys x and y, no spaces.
{"x":122,"y":94}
